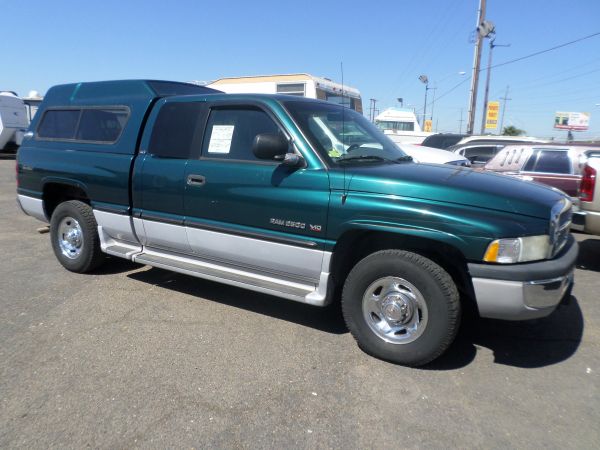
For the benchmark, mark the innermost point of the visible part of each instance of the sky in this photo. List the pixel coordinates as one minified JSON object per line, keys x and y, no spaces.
{"x":384,"y":47}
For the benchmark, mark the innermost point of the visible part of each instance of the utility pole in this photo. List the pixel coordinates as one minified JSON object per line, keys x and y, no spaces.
{"x":433,"y":103}
{"x":476,"y":64}
{"x":487,"y":81}
{"x":504,"y":100}
{"x":423,"y":79}
{"x":460,"y":122}
{"x":373,"y":101}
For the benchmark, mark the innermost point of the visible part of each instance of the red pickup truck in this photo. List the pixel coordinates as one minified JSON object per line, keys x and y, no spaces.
{"x":558,"y":166}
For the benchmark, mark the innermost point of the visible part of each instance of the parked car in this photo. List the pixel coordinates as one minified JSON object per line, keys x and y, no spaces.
{"x":443,"y":140}
{"x":478,"y":153}
{"x":423,"y":154}
{"x":556,"y":166}
{"x":588,"y":217}
{"x":472,"y":138}
{"x":247,"y":190}
{"x":480,"y":149}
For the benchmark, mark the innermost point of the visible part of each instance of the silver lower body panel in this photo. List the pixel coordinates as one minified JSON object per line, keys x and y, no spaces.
{"x":293,"y":286}
{"x":32,"y":206}
{"x":519,"y":300}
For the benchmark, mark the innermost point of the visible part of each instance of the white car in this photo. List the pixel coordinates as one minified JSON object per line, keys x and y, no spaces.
{"x":423,"y":154}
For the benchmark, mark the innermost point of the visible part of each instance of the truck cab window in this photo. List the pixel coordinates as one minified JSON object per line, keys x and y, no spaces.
{"x":177,"y":131}
{"x":230,"y":132}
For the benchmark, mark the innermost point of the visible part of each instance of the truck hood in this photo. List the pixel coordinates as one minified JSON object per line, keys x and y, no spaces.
{"x":444,"y":183}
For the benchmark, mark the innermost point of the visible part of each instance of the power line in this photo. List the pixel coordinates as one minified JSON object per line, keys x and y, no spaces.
{"x":572,"y":77}
{"x":535,"y":81}
{"x":449,"y":91}
{"x":525,"y":57}
{"x":589,"y":36}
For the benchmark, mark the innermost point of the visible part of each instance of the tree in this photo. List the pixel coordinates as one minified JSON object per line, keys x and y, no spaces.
{"x":512,"y":131}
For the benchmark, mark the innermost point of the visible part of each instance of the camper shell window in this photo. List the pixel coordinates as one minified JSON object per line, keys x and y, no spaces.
{"x":100,"y":124}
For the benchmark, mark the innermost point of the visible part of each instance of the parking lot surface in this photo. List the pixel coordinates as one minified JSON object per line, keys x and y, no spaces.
{"x":133,"y":356}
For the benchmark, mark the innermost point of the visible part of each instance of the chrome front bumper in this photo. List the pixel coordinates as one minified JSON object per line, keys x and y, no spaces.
{"x":524,"y":291}
{"x":520,"y":300}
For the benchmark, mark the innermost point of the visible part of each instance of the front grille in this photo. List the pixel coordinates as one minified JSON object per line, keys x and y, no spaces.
{"x":560,"y":223}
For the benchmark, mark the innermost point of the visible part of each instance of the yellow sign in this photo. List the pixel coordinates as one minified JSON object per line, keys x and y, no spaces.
{"x":428,"y":125}
{"x":491,"y":116}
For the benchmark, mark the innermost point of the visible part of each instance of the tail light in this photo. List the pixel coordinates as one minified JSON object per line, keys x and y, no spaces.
{"x":588,"y":184}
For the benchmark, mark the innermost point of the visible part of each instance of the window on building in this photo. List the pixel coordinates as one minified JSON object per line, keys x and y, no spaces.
{"x":298,"y":89}
{"x":395,"y":125}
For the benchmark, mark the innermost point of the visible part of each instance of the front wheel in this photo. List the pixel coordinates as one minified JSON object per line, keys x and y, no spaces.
{"x":74,"y":235}
{"x":401,"y":307}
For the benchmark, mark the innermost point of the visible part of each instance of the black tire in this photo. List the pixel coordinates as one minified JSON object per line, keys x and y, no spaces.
{"x":90,"y":255}
{"x":436,"y":290}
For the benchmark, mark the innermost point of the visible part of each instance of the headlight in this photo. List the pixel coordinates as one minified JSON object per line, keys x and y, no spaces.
{"x":508,"y":251}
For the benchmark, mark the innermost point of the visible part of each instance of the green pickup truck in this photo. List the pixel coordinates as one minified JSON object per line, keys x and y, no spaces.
{"x":251,"y":191}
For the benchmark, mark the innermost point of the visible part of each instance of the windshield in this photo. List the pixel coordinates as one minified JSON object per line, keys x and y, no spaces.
{"x":342,"y":136}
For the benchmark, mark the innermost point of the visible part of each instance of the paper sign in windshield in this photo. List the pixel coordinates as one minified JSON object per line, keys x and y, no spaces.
{"x":220,"y":139}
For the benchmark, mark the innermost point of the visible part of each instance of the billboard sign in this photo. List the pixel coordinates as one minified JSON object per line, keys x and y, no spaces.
{"x":573,"y":121}
{"x":491,"y":115}
{"x":428,"y":126}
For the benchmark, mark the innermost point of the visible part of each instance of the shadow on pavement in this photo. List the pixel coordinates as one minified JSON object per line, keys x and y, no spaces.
{"x":8,"y":156}
{"x":589,"y":255}
{"x":525,"y":344}
{"x":114,"y":265}
{"x":327,"y":319}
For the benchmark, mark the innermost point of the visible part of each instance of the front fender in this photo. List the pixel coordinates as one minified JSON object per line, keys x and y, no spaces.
{"x":466,"y":228}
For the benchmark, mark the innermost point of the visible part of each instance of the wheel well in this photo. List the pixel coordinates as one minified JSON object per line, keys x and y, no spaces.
{"x":56,"y":193}
{"x":356,"y":245}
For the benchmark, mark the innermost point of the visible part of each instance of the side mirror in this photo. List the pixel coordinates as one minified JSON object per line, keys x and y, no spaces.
{"x":270,"y":146}
{"x":274,"y":146}
{"x":292,"y":160}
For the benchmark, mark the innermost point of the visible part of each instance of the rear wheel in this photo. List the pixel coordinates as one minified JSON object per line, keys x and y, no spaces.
{"x":74,"y":236}
{"x":401,"y":307}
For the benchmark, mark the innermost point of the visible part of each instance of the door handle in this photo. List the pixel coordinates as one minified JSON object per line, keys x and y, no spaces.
{"x":196,"y":180}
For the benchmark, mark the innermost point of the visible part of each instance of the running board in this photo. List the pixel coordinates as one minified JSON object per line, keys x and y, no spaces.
{"x":299,"y":292}
{"x":313,"y":293}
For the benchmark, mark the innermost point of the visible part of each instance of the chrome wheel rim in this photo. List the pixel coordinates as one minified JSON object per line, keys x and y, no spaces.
{"x":70,"y":237}
{"x":395,"y":310}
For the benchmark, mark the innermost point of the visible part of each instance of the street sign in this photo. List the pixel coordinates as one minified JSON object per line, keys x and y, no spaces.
{"x":573,"y":121}
{"x":428,"y":125}
{"x":491,"y":115}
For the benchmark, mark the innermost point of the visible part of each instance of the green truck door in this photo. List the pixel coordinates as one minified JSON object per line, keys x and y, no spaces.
{"x":251,"y":212}
{"x":162,"y":184}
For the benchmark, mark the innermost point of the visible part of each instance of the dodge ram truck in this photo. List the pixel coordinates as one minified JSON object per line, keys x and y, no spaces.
{"x":249,"y":190}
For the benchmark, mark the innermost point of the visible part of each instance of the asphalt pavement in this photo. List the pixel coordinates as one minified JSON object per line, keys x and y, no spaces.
{"x":137,"y":357}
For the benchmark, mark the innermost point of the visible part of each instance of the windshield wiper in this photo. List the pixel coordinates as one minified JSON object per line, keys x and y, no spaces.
{"x":364,"y":158}
{"x":404,"y":158}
